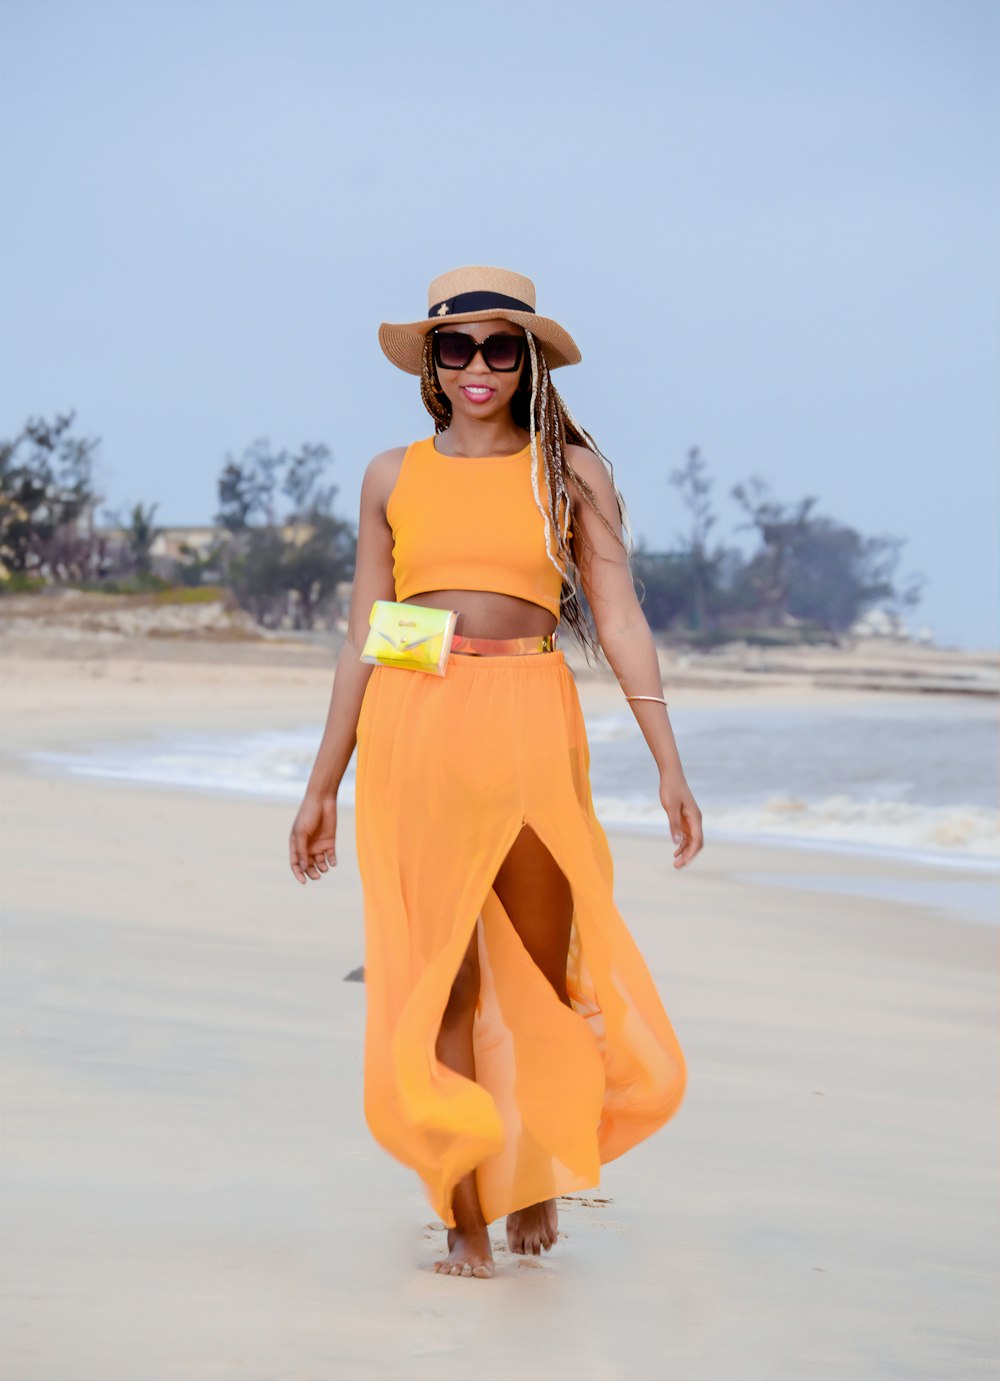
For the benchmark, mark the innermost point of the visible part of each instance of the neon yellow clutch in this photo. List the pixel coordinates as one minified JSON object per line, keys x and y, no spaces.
{"x":413,"y":636}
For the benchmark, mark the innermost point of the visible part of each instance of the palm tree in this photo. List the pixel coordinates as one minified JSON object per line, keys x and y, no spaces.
{"x":140,"y":536}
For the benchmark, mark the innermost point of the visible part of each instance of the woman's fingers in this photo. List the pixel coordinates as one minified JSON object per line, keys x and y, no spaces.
{"x":299,"y":857}
{"x":693,"y":837}
{"x":678,"y":830}
{"x":312,"y":868}
{"x":685,"y":827}
{"x":312,"y":842}
{"x":309,"y":862}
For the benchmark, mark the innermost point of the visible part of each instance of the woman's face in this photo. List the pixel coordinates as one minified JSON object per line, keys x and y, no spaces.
{"x":476,"y":391}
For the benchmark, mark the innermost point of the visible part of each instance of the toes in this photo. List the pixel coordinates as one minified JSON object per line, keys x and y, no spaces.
{"x":482,"y":1269}
{"x":463,"y":1268}
{"x":532,"y":1231}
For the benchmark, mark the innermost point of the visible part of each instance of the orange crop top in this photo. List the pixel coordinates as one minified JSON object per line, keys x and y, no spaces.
{"x":470,"y":523}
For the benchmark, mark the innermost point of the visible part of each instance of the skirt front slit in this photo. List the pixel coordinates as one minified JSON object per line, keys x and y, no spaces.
{"x":449,"y":769}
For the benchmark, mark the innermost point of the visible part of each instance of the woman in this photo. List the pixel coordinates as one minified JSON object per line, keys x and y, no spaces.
{"x":514,"y":1040}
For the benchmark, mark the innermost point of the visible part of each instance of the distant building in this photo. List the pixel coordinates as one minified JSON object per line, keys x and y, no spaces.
{"x":177,"y":546}
{"x":178,"y":543}
{"x":172,"y":546}
{"x":881,"y":623}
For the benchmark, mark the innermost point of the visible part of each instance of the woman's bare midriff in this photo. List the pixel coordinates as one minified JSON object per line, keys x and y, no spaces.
{"x":487,"y":614}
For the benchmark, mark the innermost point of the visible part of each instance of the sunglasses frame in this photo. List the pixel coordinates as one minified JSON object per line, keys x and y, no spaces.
{"x":479,"y":349}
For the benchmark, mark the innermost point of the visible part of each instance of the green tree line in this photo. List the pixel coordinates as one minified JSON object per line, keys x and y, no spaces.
{"x":808,"y":576}
{"x":281,"y":548}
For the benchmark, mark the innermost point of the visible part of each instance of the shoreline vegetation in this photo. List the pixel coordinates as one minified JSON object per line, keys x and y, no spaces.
{"x":278,"y":549}
{"x":204,"y":623}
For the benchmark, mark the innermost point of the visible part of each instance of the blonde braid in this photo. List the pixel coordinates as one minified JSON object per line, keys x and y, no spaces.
{"x":558,"y":428}
{"x":583,"y":438}
{"x":539,"y":407}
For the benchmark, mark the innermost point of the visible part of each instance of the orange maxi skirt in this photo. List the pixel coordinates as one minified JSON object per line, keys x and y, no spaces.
{"x":448,"y":770}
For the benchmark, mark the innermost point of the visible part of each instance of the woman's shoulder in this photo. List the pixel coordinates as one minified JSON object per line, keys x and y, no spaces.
{"x":382,"y":473}
{"x":385,"y":465}
{"x":580,"y":457}
{"x":385,"y":459}
{"x":587,"y":465}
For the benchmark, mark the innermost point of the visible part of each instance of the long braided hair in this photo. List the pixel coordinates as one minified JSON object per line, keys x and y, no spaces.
{"x":538,"y":406}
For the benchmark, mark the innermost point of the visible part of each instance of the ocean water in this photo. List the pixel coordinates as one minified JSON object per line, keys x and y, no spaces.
{"x":899,"y":778}
{"x":906,"y":778}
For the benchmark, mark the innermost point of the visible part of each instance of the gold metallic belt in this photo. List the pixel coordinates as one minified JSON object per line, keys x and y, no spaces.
{"x":503,"y":647}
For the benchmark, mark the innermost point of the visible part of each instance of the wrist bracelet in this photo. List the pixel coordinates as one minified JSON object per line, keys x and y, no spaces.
{"x":658,"y":698}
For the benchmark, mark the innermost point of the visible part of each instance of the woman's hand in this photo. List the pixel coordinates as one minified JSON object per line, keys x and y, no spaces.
{"x":312,"y":844}
{"x":683,"y":814}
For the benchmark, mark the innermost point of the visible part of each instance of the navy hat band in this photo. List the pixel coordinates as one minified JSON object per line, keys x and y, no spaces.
{"x":478,"y":302}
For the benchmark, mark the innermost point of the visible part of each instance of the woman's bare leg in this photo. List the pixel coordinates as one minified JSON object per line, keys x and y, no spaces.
{"x":537,"y":897}
{"x":469,"y":1250}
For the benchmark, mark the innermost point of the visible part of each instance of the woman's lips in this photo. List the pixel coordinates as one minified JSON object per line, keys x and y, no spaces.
{"x":478,"y":395}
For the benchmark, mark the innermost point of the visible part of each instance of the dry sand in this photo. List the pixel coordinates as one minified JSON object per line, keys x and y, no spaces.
{"x":189,"y":1188}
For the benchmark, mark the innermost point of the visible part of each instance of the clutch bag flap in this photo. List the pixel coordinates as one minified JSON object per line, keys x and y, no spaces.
{"x":414,"y":636}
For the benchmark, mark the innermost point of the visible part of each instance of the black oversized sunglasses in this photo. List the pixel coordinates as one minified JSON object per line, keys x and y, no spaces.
{"x":456,"y":350}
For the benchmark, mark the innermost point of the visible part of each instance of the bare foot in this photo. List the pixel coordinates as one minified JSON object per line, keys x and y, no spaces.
{"x":531,"y":1229}
{"x":469,"y":1254}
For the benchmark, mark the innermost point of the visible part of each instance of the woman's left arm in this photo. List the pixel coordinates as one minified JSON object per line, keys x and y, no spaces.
{"x":628,"y":644}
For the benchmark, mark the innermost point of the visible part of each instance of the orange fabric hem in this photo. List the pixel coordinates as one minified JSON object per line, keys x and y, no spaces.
{"x":448,"y":771}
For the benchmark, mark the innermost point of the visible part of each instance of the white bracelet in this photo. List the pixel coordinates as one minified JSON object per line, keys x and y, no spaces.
{"x":658,"y":698}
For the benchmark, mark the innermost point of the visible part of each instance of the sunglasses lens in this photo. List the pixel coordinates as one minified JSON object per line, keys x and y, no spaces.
{"x":502,"y":352}
{"x":453,"y":349}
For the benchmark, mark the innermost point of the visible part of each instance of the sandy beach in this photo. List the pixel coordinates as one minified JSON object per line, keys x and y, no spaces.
{"x":190,"y":1190}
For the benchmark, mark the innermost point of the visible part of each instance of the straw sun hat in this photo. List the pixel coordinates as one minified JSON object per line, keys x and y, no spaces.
{"x":476,"y":293}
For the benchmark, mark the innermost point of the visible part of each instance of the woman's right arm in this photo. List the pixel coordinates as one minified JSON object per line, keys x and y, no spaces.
{"x":312,"y":844}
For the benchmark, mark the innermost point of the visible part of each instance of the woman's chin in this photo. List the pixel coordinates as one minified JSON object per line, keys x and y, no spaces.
{"x":476,"y":412}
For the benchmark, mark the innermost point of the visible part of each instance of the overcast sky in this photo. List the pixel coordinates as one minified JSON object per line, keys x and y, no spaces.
{"x":771,"y":227}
